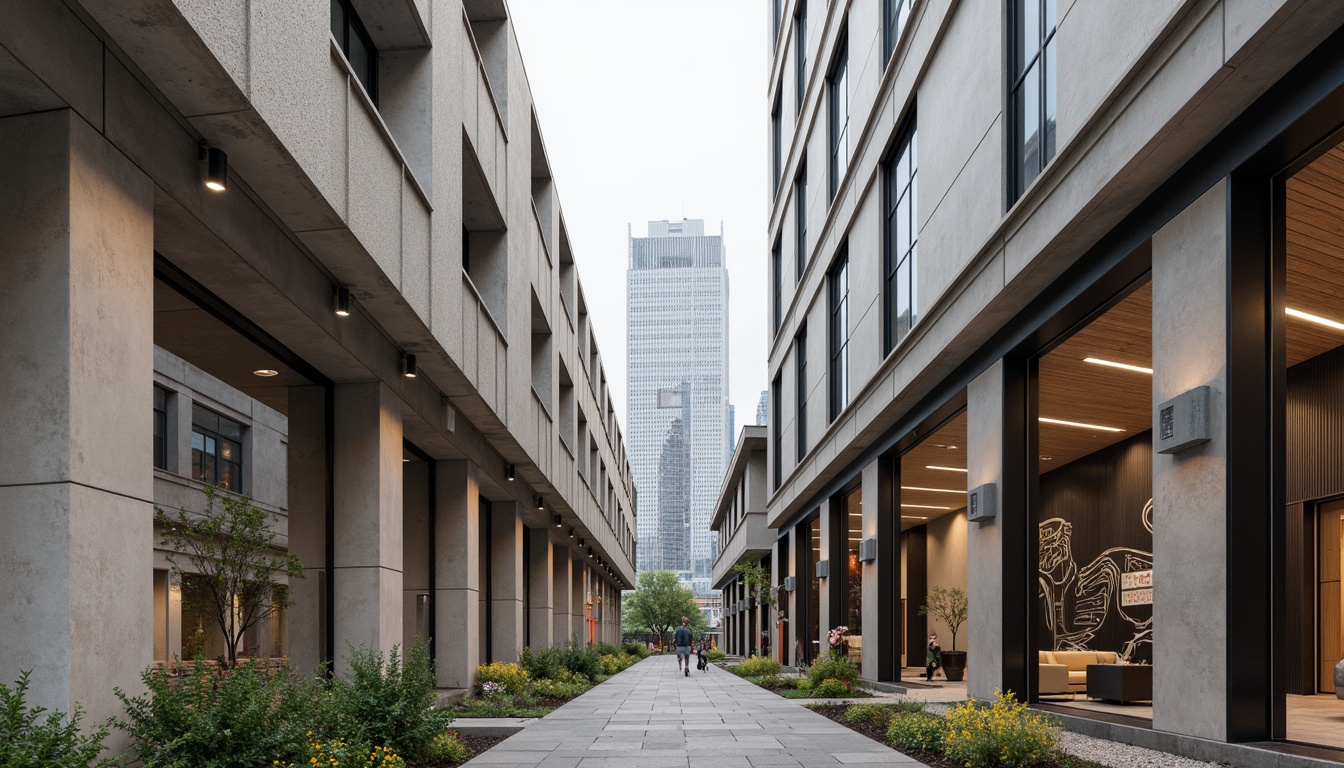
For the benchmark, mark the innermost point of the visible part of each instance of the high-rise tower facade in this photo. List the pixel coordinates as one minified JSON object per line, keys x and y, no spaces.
{"x":678,"y":393}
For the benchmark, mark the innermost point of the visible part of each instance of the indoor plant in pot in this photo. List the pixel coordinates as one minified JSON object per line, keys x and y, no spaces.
{"x":949,"y":606}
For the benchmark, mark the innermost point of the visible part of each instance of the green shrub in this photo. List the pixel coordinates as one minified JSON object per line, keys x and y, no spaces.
{"x":390,"y":702}
{"x":336,"y":752}
{"x":906,"y":705}
{"x":540,"y":664}
{"x":775,"y":682}
{"x":557,"y":689}
{"x":606,"y":649}
{"x":581,"y":660}
{"x":500,"y":678}
{"x":917,"y":730}
{"x":757,"y":666}
{"x":1004,"y":734}
{"x":612,"y":663}
{"x":716,"y":655}
{"x":804,"y":684}
{"x":638,"y":650}
{"x":869,"y":713}
{"x":447,"y":748}
{"x":239,"y":718}
{"x":29,"y":740}
{"x":831,"y":689}
{"x":833,"y":668}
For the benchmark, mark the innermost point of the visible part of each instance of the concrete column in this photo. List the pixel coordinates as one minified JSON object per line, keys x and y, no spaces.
{"x":415,"y":549}
{"x":506,"y":581}
{"x":984,"y":562}
{"x":562,"y":593}
{"x":307,"y":479}
{"x":540,"y":600}
{"x":578,"y":594}
{"x":368,"y":520}
{"x":871,"y":609}
{"x":792,"y":600}
{"x":826,"y":602}
{"x":1190,"y":488}
{"x":457,"y":574}
{"x":76,"y":479}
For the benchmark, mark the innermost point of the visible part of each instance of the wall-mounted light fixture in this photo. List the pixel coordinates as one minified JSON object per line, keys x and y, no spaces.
{"x":342,"y":302}
{"x":509,"y":472}
{"x":571,"y":533}
{"x":582,"y":543}
{"x":590,"y":552}
{"x":559,"y":521}
{"x":216,"y":167}
{"x":408,"y":366}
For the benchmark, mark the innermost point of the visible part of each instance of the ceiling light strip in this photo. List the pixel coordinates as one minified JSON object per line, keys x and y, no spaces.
{"x":1121,"y":366}
{"x":1079,"y":424}
{"x":945,"y":469}
{"x":921,"y":506}
{"x":1317,"y":319}
{"x":930,"y":490}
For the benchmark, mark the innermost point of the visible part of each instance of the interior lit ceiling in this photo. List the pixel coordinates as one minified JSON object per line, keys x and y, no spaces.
{"x":191,"y":333}
{"x":933,"y":475}
{"x":1315,"y":247}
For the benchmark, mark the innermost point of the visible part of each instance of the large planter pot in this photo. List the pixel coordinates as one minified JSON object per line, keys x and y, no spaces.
{"x":954,"y":664}
{"x":1339,"y":679}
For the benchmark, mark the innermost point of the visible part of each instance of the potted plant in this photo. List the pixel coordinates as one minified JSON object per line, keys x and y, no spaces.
{"x":949,"y":606}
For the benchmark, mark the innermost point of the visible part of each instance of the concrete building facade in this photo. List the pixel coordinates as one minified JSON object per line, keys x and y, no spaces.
{"x":680,"y":420}
{"x":1014,"y":246}
{"x":744,"y":539}
{"x":341,"y":216}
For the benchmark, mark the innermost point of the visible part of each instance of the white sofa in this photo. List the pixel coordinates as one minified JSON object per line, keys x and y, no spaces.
{"x":1066,"y":671}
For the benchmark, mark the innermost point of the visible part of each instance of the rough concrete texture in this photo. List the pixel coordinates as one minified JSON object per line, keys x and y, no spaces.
{"x":653,"y":716}
{"x":984,"y":541}
{"x":1190,"y":488}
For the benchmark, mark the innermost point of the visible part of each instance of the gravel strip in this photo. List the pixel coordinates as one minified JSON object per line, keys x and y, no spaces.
{"x":1117,"y":755}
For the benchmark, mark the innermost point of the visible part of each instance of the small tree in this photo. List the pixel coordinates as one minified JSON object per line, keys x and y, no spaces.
{"x":658,"y":603}
{"x":230,"y":549}
{"x":949,"y":605}
{"x":757,"y":579}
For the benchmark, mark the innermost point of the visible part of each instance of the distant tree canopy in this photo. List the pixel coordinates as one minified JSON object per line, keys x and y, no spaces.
{"x":657,"y":605}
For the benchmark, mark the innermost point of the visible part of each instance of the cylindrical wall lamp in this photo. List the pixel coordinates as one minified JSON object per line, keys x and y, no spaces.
{"x":342,"y":301}
{"x":408,"y":366}
{"x":216,"y":167}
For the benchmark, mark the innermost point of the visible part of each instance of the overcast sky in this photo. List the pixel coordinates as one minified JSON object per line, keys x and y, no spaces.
{"x":656,"y":109}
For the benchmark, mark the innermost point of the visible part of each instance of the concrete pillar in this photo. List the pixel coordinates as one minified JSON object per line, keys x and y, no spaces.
{"x":457,"y":574}
{"x":578,"y":595}
{"x":415,"y":552}
{"x":827,"y":602}
{"x":984,"y":546}
{"x":368,"y":520}
{"x":76,"y":479}
{"x":506,"y":581}
{"x":540,"y":600}
{"x":792,"y":600}
{"x":307,"y":479}
{"x":871,"y":608}
{"x":562,"y":593}
{"x":1190,"y":488}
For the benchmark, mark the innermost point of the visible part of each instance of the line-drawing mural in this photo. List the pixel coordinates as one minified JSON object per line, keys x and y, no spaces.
{"x":1080,"y":600}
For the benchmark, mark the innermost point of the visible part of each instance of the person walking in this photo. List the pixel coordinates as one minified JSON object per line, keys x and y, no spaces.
{"x":683,"y":640}
{"x":933,"y":657}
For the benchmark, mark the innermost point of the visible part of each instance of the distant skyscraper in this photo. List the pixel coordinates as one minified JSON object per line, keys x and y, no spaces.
{"x":732,"y":430}
{"x":678,"y":393}
{"x":763,"y":408}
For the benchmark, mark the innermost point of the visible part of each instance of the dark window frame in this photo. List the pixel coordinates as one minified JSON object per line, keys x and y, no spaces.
{"x":800,"y":218}
{"x":776,"y":443}
{"x":343,"y":27}
{"x":837,"y":130}
{"x":900,"y":253}
{"x":776,"y":143}
{"x":160,"y":427}
{"x":800,"y":57}
{"x":776,"y":286}
{"x":800,"y":384}
{"x":894,"y":15}
{"x":210,"y":428}
{"x":1033,"y":77}
{"x":837,"y":300}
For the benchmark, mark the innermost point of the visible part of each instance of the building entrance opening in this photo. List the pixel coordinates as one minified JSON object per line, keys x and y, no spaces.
{"x":1094,"y":513}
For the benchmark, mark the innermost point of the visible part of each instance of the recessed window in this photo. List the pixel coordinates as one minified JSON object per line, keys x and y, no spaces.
{"x":776,"y":146}
{"x":837,"y":292}
{"x":776,"y":292}
{"x":357,"y":46}
{"x":837,"y":100}
{"x":899,"y":292}
{"x":160,"y":428}
{"x":216,"y":450}
{"x":800,"y":217}
{"x":894,"y":15}
{"x":800,"y":387}
{"x":776,"y":445}
{"x":800,"y":55}
{"x":1032,"y":91}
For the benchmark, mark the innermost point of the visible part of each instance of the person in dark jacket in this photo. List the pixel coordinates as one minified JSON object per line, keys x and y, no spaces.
{"x":933,"y":657}
{"x":682,"y":640}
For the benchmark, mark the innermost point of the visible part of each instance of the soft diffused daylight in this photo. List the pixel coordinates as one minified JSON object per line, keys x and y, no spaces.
{"x":694,"y":383}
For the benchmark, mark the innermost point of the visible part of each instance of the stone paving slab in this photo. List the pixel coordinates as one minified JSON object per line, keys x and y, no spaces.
{"x":652,"y":716}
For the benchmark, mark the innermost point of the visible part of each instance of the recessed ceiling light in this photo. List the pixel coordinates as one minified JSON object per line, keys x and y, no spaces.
{"x":1080,"y":425}
{"x":945,"y":469}
{"x":921,"y":506}
{"x":1122,"y":366}
{"x":1047,"y":458}
{"x":265,"y":372}
{"x":945,"y":447}
{"x":1300,"y":315}
{"x":403,"y":461}
{"x":913,"y":517}
{"x":931,"y":490}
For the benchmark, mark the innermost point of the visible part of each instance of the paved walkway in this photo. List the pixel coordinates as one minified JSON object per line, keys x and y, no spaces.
{"x":650,"y":716}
